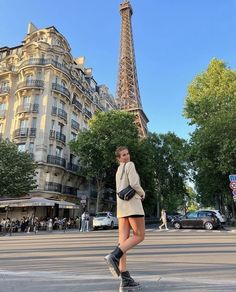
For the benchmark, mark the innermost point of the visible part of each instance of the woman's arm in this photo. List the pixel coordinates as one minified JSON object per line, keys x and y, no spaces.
{"x":134,"y":179}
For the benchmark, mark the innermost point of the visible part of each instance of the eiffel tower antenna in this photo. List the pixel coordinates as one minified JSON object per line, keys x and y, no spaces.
{"x":127,"y":95}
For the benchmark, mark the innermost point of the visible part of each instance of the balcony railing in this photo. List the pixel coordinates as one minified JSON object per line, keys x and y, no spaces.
{"x":73,"y":167}
{"x":87,"y":113}
{"x":75,"y":125}
{"x":60,"y":66}
{"x":2,"y":114}
{"x":77,"y":104}
{"x":35,"y":61}
{"x":31,"y":84}
{"x":58,"y":136}
{"x":28,"y":108}
{"x":53,"y":187}
{"x":62,"y":113}
{"x":61,"y":89}
{"x":59,"y":112}
{"x":69,"y":190}
{"x":52,"y":159}
{"x":5,"y":89}
{"x":25,"y":132}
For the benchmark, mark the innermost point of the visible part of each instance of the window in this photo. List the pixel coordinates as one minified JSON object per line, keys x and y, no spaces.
{"x":52,"y":125}
{"x":61,"y":105}
{"x":1,"y":128}
{"x":59,"y":151}
{"x":74,"y":117}
{"x":23,"y":124}
{"x":192,"y":215}
{"x":36,"y":99}
{"x":73,"y":136}
{"x":21,"y":147}
{"x":60,"y":128}
{"x":34,"y":123}
{"x":26,"y":100}
{"x":2,"y":106}
{"x":50,"y":149}
{"x":54,"y":101}
{"x":31,"y":147}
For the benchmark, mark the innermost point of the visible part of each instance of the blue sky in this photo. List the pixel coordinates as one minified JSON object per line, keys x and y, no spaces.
{"x":174,"y":41}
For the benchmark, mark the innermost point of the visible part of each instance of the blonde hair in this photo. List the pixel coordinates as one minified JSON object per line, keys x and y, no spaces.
{"x":119,"y":149}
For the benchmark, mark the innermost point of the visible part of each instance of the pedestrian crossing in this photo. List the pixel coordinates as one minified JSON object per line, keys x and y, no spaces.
{"x":189,"y":230}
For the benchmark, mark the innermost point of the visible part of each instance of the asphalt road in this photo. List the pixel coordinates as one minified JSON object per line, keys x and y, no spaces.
{"x":174,"y":260}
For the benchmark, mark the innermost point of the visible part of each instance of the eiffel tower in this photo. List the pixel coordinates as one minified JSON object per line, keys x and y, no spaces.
{"x":127,"y":95}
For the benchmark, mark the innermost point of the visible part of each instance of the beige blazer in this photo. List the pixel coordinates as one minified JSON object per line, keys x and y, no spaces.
{"x":134,"y":206}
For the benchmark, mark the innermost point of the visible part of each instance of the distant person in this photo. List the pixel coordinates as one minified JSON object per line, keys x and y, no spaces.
{"x":83,"y":222}
{"x":87,"y":217}
{"x":130,"y":214}
{"x":163,"y":219}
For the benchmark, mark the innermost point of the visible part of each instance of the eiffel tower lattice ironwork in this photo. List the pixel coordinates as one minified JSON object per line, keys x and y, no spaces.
{"x":127,"y":95}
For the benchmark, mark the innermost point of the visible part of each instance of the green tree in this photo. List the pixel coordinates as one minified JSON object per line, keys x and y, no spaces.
{"x":171,"y":170}
{"x":211,"y":107}
{"x":17,"y":171}
{"x":96,"y":146}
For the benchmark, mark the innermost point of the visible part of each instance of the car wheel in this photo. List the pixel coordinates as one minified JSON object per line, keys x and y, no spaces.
{"x":208,"y":226}
{"x":177,"y":225}
{"x":112,"y":225}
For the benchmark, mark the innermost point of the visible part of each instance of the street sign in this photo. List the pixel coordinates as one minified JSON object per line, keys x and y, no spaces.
{"x":232,"y":185}
{"x":83,"y":201}
{"x":234,"y":192}
{"x":232,"y":177}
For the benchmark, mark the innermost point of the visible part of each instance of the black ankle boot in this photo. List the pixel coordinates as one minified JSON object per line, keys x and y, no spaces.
{"x":113,"y":260}
{"x":127,"y":283}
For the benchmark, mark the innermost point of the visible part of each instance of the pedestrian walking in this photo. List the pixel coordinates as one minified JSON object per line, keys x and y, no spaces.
{"x":83,"y":222}
{"x":130,"y":215}
{"x":163,"y":219}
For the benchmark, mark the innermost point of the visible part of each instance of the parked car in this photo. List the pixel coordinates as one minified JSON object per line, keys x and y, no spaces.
{"x":104,"y":220}
{"x":199,"y":219}
{"x":172,"y":217}
{"x":218,"y":214}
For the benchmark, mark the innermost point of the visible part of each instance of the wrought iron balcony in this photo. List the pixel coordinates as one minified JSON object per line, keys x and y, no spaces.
{"x":75,"y":125}
{"x":77,"y":104}
{"x":69,"y":190}
{"x":24,"y":132}
{"x":31,"y":84}
{"x":28,"y":108}
{"x":53,"y":187}
{"x":73,"y":167}
{"x":61,"y":89}
{"x":5,"y":89}
{"x":59,"y":112}
{"x":52,"y":159}
{"x":34,"y":61}
{"x":61,"y":67}
{"x":62,"y":113}
{"x":58,"y":136}
{"x":87,"y":113}
{"x":2,"y":114}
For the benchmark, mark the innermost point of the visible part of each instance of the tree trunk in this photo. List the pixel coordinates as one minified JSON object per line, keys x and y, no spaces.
{"x":99,"y":194}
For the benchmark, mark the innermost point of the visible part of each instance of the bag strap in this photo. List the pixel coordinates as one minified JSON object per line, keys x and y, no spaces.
{"x":123,"y":172}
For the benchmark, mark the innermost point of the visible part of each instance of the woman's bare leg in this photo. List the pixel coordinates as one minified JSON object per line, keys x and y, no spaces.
{"x":138,"y":227}
{"x":124,"y":233}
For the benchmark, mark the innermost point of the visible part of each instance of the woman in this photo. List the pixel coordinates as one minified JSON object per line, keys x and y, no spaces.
{"x":130,"y":216}
{"x":163,"y":219}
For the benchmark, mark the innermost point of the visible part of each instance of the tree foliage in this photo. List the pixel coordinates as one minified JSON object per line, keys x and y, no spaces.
{"x":171,"y":169}
{"x":96,"y":146}
{"x":211,"y":106}
{"x":17,"y":171}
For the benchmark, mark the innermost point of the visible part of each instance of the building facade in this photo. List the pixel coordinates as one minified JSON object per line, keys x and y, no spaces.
{"x":46,"y":98}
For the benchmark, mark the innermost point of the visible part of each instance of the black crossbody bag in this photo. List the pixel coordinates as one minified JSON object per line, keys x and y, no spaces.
{"x":127,"y":193}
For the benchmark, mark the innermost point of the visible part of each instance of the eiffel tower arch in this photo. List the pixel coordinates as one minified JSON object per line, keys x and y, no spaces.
{"x":128,"y":95}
